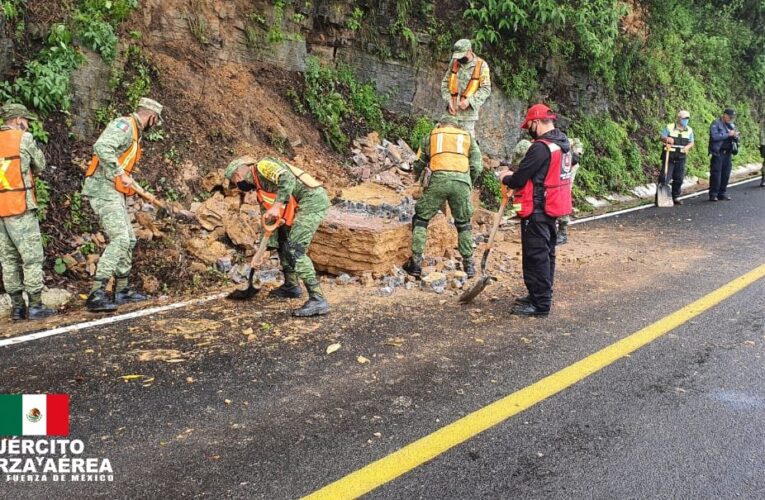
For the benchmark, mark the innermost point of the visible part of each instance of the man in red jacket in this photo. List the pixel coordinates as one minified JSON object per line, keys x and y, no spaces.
{"x":543,"y":188}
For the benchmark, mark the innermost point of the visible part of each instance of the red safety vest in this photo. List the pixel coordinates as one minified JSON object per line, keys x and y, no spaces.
{"x":557,"y":184}
{"x":13,"y":191}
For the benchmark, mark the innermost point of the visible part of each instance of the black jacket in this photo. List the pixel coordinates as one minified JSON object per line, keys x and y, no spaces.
{"x":535,"y":165}
{"x":719,"y":140}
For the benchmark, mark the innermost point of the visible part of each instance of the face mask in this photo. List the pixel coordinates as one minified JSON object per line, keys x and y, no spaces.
{"x":684,"y":122}
{"x":245,"y":186}
{"x":464,"y":60}
{"x":532,"y":132}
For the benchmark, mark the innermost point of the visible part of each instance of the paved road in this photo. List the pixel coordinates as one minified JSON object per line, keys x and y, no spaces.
{"x":268,"y":414}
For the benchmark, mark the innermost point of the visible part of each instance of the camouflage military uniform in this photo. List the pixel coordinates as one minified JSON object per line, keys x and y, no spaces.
{"x":292,"y":242}
{"x":110,"y":205}
{"x":21,"y":250}
{"x":454,"y":187}
{"x":467,"y":118}
{"x":563,"y":222}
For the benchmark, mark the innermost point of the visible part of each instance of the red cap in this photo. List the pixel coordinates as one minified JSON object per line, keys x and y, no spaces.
{"x":538,"y":112}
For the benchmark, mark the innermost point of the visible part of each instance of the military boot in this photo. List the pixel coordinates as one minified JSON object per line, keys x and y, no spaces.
{"x":414,"y":266}
{"x":468,"y":265}
{"x":128,"y":295}
{"x":316,"y":304}
{"x":99,"y":300}
{"x":290,"y":289}
{"x":18,"y":307}
{"x":562,"y":237}
{"x":762,"y":182}
{"x":38,"y":310}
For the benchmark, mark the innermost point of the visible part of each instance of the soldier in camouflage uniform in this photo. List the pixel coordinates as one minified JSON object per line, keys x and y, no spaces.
{"x":107,"y":185}
{"x":21,"y":250}
{"x":466,"y":85}
{"x":448,"y":164}
{"x":284,"y":191}
{"x":577,"y":148}
{"x":762,"y":150}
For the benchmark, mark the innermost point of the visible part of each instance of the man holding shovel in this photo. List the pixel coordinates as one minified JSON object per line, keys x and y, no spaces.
{"x":108,"y":183}
{"x":678,"y":140}
{"x":289,"y":194}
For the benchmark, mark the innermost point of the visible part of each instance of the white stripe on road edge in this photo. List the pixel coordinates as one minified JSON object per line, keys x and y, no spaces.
{"x":650,"y":205}
{"x":107,"y":321}
{"x":155,"y":310}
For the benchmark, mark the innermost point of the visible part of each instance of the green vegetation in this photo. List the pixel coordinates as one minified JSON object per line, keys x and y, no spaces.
{"x":42,"y":195}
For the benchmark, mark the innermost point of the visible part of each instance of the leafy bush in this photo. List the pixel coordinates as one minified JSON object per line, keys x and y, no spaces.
{"x":42,"y":195}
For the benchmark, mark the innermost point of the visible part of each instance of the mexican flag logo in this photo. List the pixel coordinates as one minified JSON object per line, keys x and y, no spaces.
{"x":34,"y":414}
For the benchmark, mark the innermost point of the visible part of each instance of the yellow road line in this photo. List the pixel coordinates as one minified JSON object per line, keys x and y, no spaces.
{"x":424,"y":449}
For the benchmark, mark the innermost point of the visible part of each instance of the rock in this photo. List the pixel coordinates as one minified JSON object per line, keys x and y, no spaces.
{"x":450,"y":265}
{"x":239,"y":273}
{"x":393,"y":153}
{"x":224,"y":264}
{"x":367,"y":279}
{"x":197,"y":267}
{"x":208,"y":251}
{"x":460,"y":276}
{"x":213,"y":212}
{"x":434,"y":282}
{"x":390,"y":179}
{"x":56,"y":297}
{"x":344,"y":279}
{"x":242,"y":229}
{"x":385,"y":291}
{"x":268,"y":276}
{"x":70,"y":261}
{"x":483,"y":216}
{"x":5,"y":306}
{"x":150,"y":284}
{"x":213,"y":180}
{"x":144,"y":234}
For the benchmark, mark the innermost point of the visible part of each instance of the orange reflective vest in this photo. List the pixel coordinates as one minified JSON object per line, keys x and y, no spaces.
{"x":473,"y":84}
{"x":127,"y":161}
{"x":449,"y":150}
{"x":267,"y":199}
{"x":13,"y":191}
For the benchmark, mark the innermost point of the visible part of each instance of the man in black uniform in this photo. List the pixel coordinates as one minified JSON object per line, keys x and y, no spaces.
{"x":723,"y":143}
{"x":538,"y":232}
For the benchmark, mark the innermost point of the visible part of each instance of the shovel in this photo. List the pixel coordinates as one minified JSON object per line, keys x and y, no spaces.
{"x":485,"y":278}
{"x":663,"y":189}
{"x":184,"y":215}
{"x":257,"y":261}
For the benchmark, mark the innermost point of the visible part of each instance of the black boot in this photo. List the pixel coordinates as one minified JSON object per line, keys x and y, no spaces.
{"x":529,"y":310}
{"x":18,"y":307}
{"x":316,"y":304}
{"x":128,"y":295}
{"x":562,"y":237}
{"x":286,"y":291}
{"x":762,"y":182}
{"x":468,"y":266}
{"x":414,"y":266}
{"x":38,"y":310}
{"x":99,"y":301}
{"x":523,"y":301}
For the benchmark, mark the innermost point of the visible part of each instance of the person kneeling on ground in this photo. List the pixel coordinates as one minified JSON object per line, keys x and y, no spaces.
{"x":285,"y":191}
{"x":543,"y":189}
{"x":448,"y":164}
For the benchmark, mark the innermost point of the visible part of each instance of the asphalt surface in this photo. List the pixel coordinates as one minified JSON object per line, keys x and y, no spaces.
{"x":268,"y":414}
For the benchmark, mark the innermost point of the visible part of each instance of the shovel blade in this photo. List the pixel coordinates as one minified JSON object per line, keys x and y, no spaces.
{"x":475,"y":290}
{"x":664,"y":196}
{"x":245,"y":294}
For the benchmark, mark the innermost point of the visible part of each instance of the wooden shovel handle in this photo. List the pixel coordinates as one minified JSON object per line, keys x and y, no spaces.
{"x":506,"y":195}
{"x":150,"y":197}
{"x":268,"y":230}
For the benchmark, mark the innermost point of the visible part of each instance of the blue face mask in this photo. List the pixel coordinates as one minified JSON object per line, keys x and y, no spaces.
{"x":684,"y":122}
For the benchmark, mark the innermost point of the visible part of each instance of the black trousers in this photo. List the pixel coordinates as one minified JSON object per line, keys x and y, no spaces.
{"x":719,"y":174}
{"x":538,"y":250}
{"x":676,"y":172}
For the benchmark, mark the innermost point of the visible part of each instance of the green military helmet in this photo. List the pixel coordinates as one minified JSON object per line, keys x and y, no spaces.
{"x":13,"y":110}
{"x":519,"y":151}
{"x":447,"y":119}
{"x":461,"y":48}
{"x":237,"y":163}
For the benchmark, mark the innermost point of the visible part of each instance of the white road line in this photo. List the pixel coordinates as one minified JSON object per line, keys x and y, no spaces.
{"x":155,"y":310}
{"x":107,"y":321}
{"x":651,"y":205}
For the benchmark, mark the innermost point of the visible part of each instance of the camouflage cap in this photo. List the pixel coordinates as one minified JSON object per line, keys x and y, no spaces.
{"x":12,"y":110}
{"x":446,"y":118}
{"x":151,"y":105}
{"x":577,"y":146}
{"x":519,"y":151}
{"x":461,"y":48}
{"x":239,"y":162}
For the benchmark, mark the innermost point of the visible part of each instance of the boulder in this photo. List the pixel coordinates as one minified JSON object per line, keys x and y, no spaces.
{"x":213,"y":180}
{"x":242,"y":229}
{"x":213,"y":212}
{"x":206,"y":250}
{"x":56,"y":297}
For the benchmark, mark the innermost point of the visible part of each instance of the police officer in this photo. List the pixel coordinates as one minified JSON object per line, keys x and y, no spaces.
{"x":21,"y":249}
{"x":543,"y":188}
{"x":466,"y":85}
{"x":107,"y":185}
{"x":723,"y":143}
{"x":448,"y":164}
{"x":677,"y":136}
{"x":285,"y":191}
